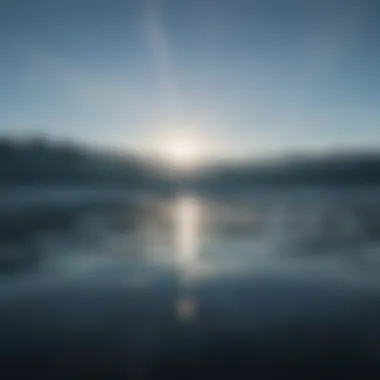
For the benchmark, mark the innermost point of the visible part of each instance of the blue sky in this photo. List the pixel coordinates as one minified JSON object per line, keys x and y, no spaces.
{"x":251,"y":76}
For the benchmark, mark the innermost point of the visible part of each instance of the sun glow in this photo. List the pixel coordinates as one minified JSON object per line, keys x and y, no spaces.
{"x":180,"y":149}
{"x":183,"y":151}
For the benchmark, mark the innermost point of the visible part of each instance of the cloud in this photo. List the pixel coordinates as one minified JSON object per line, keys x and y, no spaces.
{"x":158,"y":42}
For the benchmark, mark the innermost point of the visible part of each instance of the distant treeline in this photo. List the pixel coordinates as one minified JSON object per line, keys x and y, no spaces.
{"x":338,"y":169}
{"x":43,"y":162}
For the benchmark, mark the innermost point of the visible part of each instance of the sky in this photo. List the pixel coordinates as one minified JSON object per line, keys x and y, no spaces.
{"x":250,"y":77}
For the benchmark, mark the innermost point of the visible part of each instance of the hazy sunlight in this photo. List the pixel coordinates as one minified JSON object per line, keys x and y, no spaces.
{"x":179,"y":149}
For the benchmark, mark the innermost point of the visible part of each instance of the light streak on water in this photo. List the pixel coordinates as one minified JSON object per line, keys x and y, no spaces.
{"x":187,"y":231}
{"x":187,"y":221}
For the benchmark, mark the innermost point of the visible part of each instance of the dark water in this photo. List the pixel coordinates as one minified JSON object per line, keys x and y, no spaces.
{"x":277,"y":283}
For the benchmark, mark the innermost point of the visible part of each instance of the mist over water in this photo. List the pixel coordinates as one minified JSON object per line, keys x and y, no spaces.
{"x":73,"y":230}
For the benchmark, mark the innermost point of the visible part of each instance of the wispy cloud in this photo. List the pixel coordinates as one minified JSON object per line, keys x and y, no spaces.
{"x":162,"y":55}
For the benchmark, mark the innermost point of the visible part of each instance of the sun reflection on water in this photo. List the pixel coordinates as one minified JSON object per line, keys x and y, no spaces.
{"x":188,"y":238}
{"x":187,"y":231}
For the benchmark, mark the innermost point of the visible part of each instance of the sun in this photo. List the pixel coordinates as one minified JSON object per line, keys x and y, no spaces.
{"x":181,"y":150}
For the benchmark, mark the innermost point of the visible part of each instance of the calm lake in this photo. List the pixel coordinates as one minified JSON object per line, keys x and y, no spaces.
{"x":148,"y":286}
